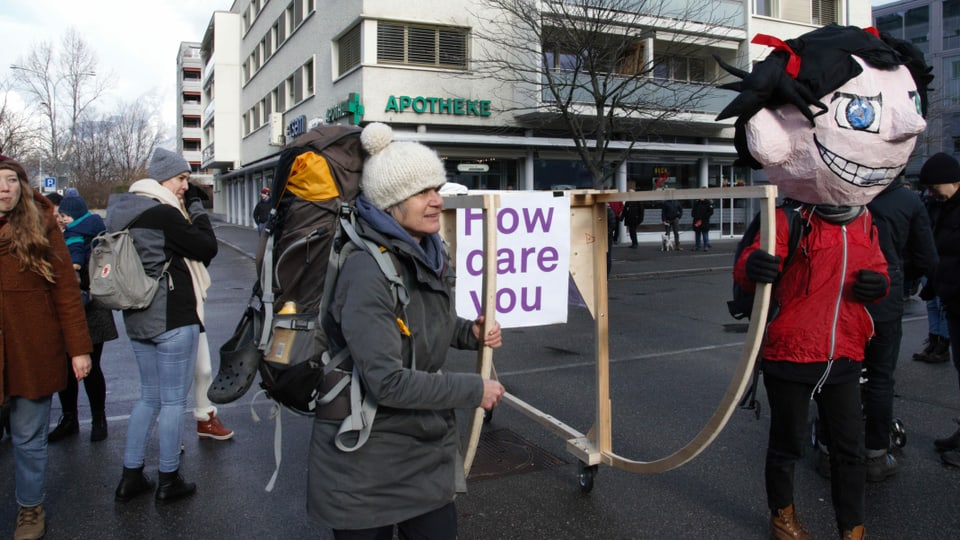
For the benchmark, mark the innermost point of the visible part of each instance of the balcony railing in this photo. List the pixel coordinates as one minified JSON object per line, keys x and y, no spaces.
{"x":658,"y":94}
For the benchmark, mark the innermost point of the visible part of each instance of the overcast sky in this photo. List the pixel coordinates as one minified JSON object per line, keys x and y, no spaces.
{"x":135,"y":40}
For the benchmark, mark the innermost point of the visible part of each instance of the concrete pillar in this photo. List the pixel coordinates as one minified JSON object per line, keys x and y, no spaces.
{"x":527,"y":180}
{"x":704,"y":176}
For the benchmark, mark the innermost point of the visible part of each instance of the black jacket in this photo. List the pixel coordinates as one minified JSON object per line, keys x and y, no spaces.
{"x":906,"y":240}
{"x":701,"y":211}
{"x":946,"y":231}
{"x":671,"y":211}
{"x":632,"y":213}
{"x":261,"y":211}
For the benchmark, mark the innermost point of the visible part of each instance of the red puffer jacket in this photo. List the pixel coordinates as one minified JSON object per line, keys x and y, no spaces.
{"x":819,"y":318}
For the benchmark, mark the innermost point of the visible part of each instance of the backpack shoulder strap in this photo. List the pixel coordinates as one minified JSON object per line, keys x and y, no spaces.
{"x":356,"y":427}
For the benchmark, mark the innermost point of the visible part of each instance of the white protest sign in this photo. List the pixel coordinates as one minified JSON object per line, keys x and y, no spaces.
{"x":533,"y":259}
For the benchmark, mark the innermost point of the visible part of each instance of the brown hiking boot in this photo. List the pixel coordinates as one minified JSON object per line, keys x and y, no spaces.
{"x":857,"y":533}
{"x":213,"y":429}
{"x":784,"y":525}
{"x":31,"y":523}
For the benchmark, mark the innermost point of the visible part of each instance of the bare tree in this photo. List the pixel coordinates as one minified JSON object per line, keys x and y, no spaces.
{"x":586,"y":69}
{"x":112,"y":150}
{"x":18,"y":135}
{"x":63,"y":85}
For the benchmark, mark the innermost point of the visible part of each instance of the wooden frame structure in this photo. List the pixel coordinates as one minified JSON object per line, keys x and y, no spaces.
{"x":588,"y":238}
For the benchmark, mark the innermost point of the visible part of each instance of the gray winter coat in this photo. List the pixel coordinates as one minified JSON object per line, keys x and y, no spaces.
{"x":410,"y":464}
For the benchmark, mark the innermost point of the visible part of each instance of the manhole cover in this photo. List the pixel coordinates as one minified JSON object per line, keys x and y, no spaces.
{"x":501,"y":452}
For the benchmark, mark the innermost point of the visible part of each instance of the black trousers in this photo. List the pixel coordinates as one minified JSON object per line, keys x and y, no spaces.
{"x":94,"y":384}
{"x":880,"y":362}
{"x":440,"y":524}
{"x":841,"y":417}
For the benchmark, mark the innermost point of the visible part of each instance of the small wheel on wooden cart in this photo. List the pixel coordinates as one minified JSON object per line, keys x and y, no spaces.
{"x":585,"y":477}
{"x":487,"y":416}
{"x":898,"y":435}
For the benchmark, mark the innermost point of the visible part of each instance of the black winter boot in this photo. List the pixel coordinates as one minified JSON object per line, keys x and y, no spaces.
{"x":951,"y":442}
{"x":931,"y":342}
{"x":172,"y":487}
{"x":98,"y":429}
{"x":940,"y":352}
{"x":67,"y":426}
{"x":132,"y":483}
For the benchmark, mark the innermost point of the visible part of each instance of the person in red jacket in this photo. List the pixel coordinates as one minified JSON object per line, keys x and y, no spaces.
{"x":832,"y":117}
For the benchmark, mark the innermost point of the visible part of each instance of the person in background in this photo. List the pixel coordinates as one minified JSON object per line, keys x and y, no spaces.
{"x":670,"y":214}
{"x":941,"y":174}
{"x":632,"y":218}
{"x":937,"y":347}
{"x":41,"y":326}
{"x":407,"y":473}
{"x":261,"y":212}
{"x":80,"y":227}
{"x":906,"y":240}
{"x":165,"y":334}
{"x":701,"y":212}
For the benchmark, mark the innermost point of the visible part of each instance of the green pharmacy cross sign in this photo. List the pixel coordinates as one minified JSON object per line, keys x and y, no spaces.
{"x":347,"y":107}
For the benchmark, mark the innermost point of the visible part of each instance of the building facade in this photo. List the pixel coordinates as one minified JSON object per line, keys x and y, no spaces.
{"x":934,"y":27}
{"x":274,"y":68}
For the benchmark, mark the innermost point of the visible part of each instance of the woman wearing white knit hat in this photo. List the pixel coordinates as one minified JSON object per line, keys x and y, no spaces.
{"x":408,"y":471}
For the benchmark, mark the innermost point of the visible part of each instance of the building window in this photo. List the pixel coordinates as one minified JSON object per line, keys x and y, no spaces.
{"x":951,"y":87}
{"x":405,"y":44}
{"x":823,"y":12}
{"x":951,"y":24}
{"x":916,"y":28}
{"x":764,"y":8}
{"x":308,"y":77}
{"x":348,"y":50}
{"x":679,"y":68}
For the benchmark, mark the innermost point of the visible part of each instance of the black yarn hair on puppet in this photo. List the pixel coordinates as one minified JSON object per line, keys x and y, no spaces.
{"x":802,"y":70}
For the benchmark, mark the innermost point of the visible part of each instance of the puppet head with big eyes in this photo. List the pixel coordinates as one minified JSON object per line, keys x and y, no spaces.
{"x":832,"y":116}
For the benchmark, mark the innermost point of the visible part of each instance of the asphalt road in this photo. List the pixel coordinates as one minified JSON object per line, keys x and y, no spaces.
{"x":673,"y":349}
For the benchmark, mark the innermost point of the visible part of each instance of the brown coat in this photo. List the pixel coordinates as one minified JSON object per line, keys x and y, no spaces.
{"x":41,"y":324}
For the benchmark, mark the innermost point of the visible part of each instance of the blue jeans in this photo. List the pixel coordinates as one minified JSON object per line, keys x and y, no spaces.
{"x":936,"y":315}
{"x":703,"y":234}
{"x":29,"y":421}
{"x":166,"y":372}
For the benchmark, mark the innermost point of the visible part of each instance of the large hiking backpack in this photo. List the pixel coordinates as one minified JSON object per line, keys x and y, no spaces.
{"x":316,"y":173}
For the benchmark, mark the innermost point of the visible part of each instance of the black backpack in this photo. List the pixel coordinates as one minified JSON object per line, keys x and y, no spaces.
{"x":741,"y":306}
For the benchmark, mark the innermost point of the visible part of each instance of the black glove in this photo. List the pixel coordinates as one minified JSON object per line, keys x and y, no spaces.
{"x":870,"y":286}
{"x":195,"y":193}
{"x":928,"y":293}
{"x":763,"y":267}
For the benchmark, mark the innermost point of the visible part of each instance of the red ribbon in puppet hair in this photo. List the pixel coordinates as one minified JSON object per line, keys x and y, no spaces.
{"x":793,"y":63}
{"x":873,"y":31}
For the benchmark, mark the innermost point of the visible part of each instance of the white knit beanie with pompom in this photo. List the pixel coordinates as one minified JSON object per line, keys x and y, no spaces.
{"x":396,"y":170}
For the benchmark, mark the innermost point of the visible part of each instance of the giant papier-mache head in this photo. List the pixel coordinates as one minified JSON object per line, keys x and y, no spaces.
{"x":832,"y":116}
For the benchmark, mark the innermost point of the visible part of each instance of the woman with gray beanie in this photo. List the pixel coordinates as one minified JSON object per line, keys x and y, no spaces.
{"x":407,"y":472}
{"x":175,"y":242}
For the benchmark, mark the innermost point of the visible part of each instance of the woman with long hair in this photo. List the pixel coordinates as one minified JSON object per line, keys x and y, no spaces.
{"x":41,"y":325}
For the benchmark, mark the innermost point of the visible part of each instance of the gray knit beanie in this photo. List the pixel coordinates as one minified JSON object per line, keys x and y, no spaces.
{"x":166,"y":164}
{"x":396,"y":170}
